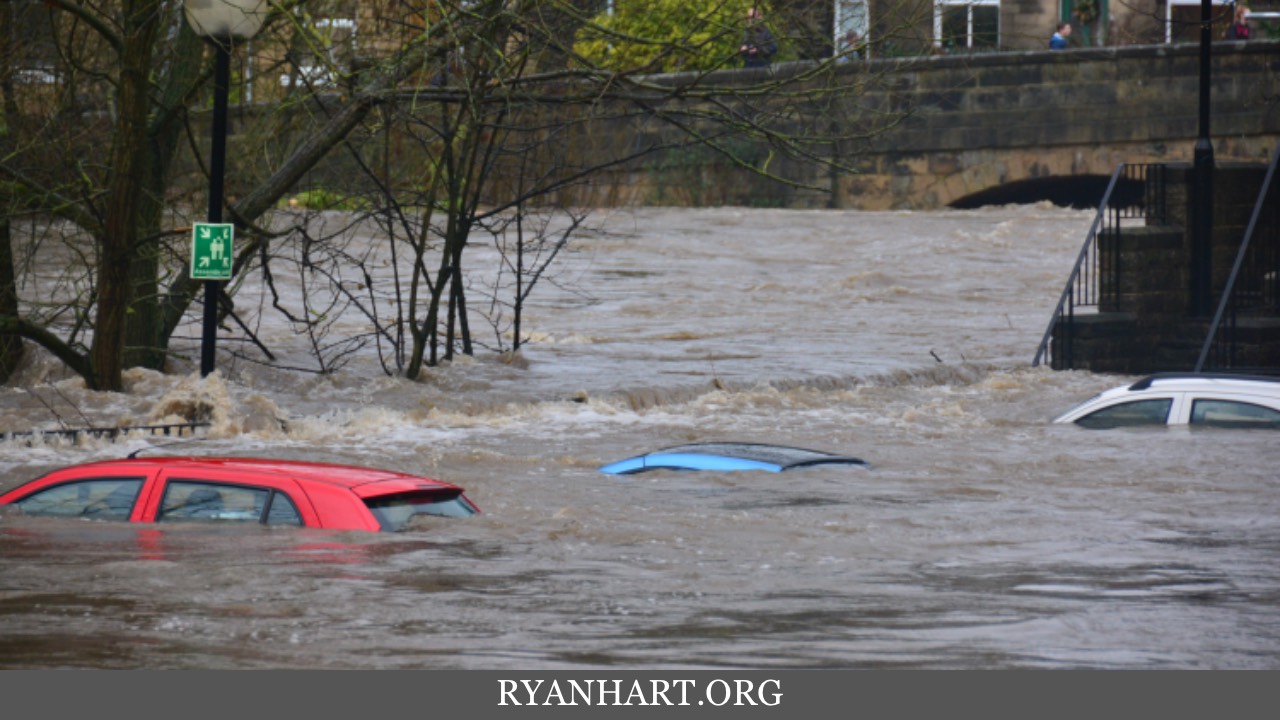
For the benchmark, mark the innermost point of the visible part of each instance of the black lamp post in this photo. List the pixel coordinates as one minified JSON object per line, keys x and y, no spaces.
{"x":1202,"y":231}
{"x":222,"y":23}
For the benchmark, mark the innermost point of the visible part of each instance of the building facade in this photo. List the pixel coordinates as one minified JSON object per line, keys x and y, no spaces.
{"x":893,"y":27}
{"x":326,"y":42}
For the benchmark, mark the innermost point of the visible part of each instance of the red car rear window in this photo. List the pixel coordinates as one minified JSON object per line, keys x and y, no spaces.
{"x":394,"y":512}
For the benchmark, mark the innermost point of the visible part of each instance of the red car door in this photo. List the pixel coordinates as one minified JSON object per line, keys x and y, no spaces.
{"x":226,"y":495}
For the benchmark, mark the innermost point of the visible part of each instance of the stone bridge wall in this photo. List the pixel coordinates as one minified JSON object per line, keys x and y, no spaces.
{"x":969,"y":124}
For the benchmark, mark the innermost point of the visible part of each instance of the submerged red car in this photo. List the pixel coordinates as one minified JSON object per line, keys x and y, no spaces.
{"x":244,"y":490}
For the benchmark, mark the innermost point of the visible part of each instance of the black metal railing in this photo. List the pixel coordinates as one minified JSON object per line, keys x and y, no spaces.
{"x":1136,"y":192}
{"x":110,"y":433}
{"x":1251,"y":288}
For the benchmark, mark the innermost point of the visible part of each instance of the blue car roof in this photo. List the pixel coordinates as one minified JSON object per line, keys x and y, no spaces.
{"x":728,"y":456}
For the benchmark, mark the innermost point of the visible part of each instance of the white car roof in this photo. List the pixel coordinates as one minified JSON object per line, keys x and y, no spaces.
{"x":1254,"y":386}
{"x":1192,"y":382}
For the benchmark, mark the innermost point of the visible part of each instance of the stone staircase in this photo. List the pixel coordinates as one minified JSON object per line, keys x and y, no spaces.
{"x":1142,"y":321}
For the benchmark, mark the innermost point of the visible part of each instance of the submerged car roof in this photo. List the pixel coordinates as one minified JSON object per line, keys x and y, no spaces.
{"x":728,"y":456}
{"x":1210,"y":384}
{"x":350,"y":476}
{"x":1266,"y":384}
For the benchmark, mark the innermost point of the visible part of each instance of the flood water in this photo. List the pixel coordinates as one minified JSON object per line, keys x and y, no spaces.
{"x":982,"y":537}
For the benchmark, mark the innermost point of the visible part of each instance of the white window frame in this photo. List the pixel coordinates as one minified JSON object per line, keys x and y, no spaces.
{"x":848,"y":17}
{"x":322,"y":75}
{"x":940,"y":5}
{"x":1168,"y":13}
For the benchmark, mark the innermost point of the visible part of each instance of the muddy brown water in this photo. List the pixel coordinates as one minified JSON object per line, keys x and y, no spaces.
{"x":982,"y":537}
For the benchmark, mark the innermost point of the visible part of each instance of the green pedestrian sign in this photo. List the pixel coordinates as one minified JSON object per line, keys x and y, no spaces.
{"x":211,"y":251}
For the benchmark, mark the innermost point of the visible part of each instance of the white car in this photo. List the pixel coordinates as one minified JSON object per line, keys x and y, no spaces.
{"x":1237,"y":401}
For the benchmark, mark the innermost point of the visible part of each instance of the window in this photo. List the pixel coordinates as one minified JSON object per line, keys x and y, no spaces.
{"x":395,"y":511}
{"x":851,"y":28}
{"x":282,"y":511}
{"x":325,"y":56}
{"x":966,"y":24}
{"x":1140,"y":412}
{"x":188,"y":500}
{"x":1182,"y":19}
{"x":99,"y":498}
{"x":33,"y":43}
{"x":1228,"y":413}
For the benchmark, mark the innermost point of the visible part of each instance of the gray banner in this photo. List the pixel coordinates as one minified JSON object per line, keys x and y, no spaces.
{"x":795,"y":694}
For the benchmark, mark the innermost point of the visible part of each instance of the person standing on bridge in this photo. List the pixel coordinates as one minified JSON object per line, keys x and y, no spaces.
{"x":1059,"y":39}
{"x":758,"y":47}
{"x":1239,"y":29}
{"x":850,"y":47}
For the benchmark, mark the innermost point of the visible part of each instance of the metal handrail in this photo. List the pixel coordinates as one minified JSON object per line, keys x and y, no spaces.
{"x":1235,"y":268}
{"x":108,"y":432}
{"x":1067,"y":292}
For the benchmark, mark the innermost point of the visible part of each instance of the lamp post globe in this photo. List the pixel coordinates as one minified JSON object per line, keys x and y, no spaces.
{"x":226,"y":19}
{"x":222,"y":22}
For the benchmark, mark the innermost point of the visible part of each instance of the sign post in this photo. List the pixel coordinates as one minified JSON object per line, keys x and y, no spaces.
{"x":211,"y":251}
{"x":211,"y":262}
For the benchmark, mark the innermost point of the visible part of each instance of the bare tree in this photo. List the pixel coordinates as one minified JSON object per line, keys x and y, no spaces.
{"x":124,"y":77}
{"x":451,"y":121}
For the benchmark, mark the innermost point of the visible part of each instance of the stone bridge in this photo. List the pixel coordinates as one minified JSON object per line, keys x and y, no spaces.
{"x":1015,"y":127}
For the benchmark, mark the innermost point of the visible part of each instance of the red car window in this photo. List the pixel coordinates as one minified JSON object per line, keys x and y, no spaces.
{"x":96,"y":498}
{"x":199,"y":500}
{"x":282,"y":511}
{"x":394,"y":512}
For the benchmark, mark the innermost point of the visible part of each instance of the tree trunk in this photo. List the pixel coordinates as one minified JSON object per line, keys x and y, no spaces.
{"x":146,"y":339}
{"x":10,"y":345}
{"x":128,"y":162}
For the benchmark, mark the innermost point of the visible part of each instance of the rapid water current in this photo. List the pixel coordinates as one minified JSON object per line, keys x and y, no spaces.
{"x":983,"y":536}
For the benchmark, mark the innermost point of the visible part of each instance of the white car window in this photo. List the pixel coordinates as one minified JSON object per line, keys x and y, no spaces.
{"x":1230,"y":413}
{"x":1129,"y":414}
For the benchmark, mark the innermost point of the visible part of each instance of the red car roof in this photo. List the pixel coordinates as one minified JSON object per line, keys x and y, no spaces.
{"x":348,"y":476}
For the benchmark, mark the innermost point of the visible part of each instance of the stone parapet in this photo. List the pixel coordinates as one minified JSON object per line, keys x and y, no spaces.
{"x":937,"y":130}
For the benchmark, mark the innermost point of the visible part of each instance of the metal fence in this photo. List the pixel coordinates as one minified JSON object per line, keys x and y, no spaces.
{"x":110,"y":433}
{"x":1135,"y":194}
{"x":1251,"y":296}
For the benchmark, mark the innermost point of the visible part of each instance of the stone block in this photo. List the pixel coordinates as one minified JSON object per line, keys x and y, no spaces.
{"x":1021,"y":75}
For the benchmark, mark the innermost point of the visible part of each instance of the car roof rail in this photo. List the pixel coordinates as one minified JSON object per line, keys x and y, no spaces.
{"x":1146,"y":382}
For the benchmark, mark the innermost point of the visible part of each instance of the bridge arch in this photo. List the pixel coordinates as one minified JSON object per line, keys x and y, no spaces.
{"x":1047,"y":124}
{"x":1082,"y":192}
